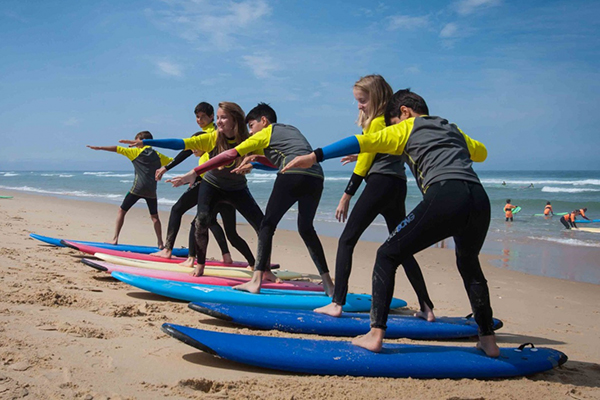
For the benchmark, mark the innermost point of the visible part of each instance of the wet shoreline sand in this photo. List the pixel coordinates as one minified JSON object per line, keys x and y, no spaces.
{"x":67,"y":331}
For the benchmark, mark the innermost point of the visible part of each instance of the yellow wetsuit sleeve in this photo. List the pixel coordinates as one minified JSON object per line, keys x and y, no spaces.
{"x":203,"y":142}
{"x":390,"y":140}
{"x":164,"y":160}
{"x":256,"y":143}
{"x":365,"y":160}
{"x":130,"y":152}
{"x":477,"y":150}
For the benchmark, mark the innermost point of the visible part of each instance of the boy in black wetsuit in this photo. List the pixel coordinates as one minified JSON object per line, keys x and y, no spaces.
{"x":454,"y":204}
{"x":145,"y":161}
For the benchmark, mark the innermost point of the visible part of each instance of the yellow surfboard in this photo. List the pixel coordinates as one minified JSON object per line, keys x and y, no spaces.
{"x":591,"y":230}
{"x":230,"y":272}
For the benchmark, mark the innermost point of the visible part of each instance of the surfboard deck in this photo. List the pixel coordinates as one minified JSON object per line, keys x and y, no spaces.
{"x":230,"y":272}
{"x":349,"y":324}
{"x":147,"y":257}
{"x":334,"y":357}
{"x":516,"y":210}
{"x":201,"y":280}
{"x":590,"y":230}
{"x":585,"y":221}
{"x":303,"y":300}
{"x":544,"y":215}
{"x":122,"y":247}
{"x":6,"y":197}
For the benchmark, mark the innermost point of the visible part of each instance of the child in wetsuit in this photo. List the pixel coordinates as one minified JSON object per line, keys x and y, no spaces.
{"x":454,"y":204}
{"x":145,"y":161}
{"x":508,"y":210}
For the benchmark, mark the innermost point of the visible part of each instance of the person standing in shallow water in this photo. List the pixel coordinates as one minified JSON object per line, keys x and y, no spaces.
{"x":454,"y":204}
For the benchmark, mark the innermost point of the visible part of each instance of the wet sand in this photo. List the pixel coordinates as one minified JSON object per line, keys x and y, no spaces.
{"x":67,"y":331}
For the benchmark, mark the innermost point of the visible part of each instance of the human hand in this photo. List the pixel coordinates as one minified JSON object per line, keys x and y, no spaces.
{"x":348,"y":159}
{"x":341,"y":212}
{"x":159,"y":173}
{"x":180,"y":180}
{"x":304,"y":162}
{"x":133,"y":143}
{"x":95,"y":147}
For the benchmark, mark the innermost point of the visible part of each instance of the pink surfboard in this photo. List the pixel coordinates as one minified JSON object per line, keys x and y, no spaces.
{"x":147,"y":257}
{"x":203,"y":280}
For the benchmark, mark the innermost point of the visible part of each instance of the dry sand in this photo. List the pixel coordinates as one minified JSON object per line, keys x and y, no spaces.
{"x":69,"y":332}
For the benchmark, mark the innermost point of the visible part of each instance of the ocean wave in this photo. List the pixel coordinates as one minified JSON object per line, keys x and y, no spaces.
{"x":126,"y":181}
{"x":108,"y":174}
{"x":74,"y":193}
{"x":166,"y":202}
{"x":9,"y":174}
{"x":59,"y":175}
{"x":552,"y":189}
{"x":520,"y":182}
{"x":569,"y":242}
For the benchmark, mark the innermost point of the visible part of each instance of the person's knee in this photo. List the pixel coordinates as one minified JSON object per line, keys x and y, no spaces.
{"x":203,"y":219}
{"x":155,"y":217}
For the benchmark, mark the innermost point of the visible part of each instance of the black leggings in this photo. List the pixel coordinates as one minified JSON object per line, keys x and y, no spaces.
{"x":288,"y":189}
{"x":449,"y":208}
{"x":188,"y":200}
{"x":227,"y":212}
{"x":385,"y":195}
{"x":209,"y":197}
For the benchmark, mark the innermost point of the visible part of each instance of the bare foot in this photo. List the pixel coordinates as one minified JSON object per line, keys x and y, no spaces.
{"x":268,"y":275}
{"x":160,"y":246}
{"x":198,"y":270}
{"x":332,"y":309}
{"x":114,"y":241}
{"x":488,"y":345}
{"x":189,"y":263}
{"x":426,"y":314}
{"x":372,"y":341}
{"x":327,"y":284}
{"x":227,"y":258}
{"x":164,"y":253}
{"x":252,"y":287}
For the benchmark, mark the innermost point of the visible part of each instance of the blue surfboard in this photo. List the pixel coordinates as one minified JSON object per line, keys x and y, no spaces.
{"x":121,"y":247}
{"x":585,"y":221}
{"x":334,"y":357}
{"x":294,"y":299}
{"x":349,"y":324}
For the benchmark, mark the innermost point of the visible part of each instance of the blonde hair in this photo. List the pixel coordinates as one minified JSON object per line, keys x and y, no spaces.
{"x":240,"y":129}
{"x":379,"y":92}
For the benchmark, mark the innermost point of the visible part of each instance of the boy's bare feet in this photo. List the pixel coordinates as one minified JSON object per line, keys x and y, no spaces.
{"x":253,"y":286}
{"x":164,"y":253}
{"x":189,"y":263}
{"x":426,"y":314}
{"x":268,"y":275}
{"x":114,"y":241}
{"x":198,"y":270}
{"x":332,"y":309}
{"x":488,"y":345}
{"x":372,"y":341}
{"x":227,"y":258}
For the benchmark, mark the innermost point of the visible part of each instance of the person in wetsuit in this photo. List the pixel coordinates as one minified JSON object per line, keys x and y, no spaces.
{"x":384,"y":194}
{"x":278,"y":143}
{"x":145,"y":162}
{"x":204,"y":113}
{"x":218,"y":185}
{"x":454,"y":204}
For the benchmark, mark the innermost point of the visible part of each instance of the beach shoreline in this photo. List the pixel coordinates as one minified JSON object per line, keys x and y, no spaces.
{"x":68,"y":331}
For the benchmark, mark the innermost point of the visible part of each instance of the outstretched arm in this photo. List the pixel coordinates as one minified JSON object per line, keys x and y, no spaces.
{"x":105,"y":148}
{"x":340,"y":148}
{"x":224,"y":158}
{"x":173,"y":144}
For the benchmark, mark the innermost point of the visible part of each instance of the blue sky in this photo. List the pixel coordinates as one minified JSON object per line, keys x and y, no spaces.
{"x":522,"y":77}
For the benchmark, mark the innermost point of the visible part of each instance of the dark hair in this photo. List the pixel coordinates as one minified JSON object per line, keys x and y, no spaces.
{"x":205,"y":108}
{"x":547,"y":203}
{"x":508,"y":200}
{"x":262,"y":110}
{"x":405,"y":98}
{"x":143,"y":135}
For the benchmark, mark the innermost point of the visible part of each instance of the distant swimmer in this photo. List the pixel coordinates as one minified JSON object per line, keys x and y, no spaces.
{"x":548,"y":212}
{"x":531,"y":185}
{"x":503,"y":183}
{"x":508,"y":210}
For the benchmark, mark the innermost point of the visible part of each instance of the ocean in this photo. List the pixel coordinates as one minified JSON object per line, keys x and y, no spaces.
{"x":531,"y":244}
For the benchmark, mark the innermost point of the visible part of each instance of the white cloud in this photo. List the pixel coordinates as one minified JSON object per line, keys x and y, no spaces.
{"x":71,"y":122}
{"x":412,"y":70}
{"x":406,"y":22}
{"x":262,"y":67}
{"x":465,"y":7}
{"x":170,"y":68}
{"x":217,"y":23}
{"x":449,"y":31}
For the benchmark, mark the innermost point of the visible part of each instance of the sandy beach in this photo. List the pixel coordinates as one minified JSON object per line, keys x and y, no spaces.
{"x":70,"y":332}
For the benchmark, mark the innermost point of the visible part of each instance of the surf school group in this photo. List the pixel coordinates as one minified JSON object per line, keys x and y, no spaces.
{"x":397,"y":130}
{"x":567,"y":219}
